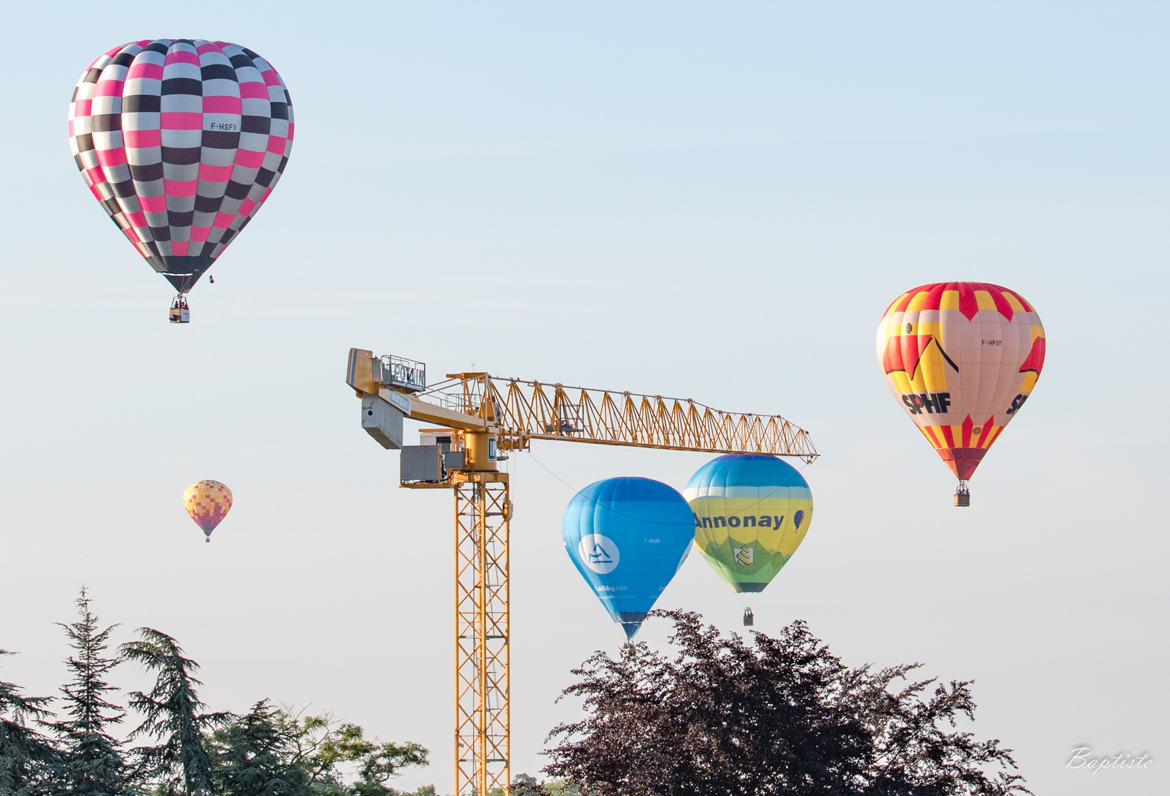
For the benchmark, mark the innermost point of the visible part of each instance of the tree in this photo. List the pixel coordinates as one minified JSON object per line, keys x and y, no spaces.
{"x":527,"y":785}
{"x":727,"y":716}
{"x":92,"y":761}
{"x":257,"y":754}
{"x":329,"y":748}
{"x":27,"y":758}
{"x":171,"y":713}
{"x":423,"y":790}
{"x":271,"y":752}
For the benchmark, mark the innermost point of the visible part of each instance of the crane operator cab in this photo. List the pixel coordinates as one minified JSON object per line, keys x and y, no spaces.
{"x":180,"y":312}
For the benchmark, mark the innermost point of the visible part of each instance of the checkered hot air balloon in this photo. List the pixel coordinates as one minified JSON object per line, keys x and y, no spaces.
{"x":207,"y":503}
{"x":961,"y":358}
{"x":181,"y":141}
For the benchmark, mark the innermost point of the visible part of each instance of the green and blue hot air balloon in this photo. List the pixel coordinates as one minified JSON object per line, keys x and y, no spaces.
{"x":628,"y":537}
{"x":751,"y":512}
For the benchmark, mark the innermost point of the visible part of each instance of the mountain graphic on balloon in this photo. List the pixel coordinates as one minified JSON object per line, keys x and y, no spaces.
{"x":598,"y":555}
{"x":905,"y":353}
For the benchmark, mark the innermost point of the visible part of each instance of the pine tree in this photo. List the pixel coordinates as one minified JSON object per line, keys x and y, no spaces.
{"x":269,"y":752}
{"x":27,"y":758}
{"x":92,"y":760}
{"x":171,"y":712}
{"x":257,"y":755}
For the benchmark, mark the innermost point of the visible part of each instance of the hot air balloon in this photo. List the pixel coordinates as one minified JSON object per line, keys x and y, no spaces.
{"x":751,"y":512}
{"x":181,"y":141}
{"x":627,"y":537}
{"x":961,"y":358}
{"x":207,"y":502}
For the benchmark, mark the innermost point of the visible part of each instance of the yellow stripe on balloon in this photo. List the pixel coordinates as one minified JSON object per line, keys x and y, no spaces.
{"x":1013,"y":302}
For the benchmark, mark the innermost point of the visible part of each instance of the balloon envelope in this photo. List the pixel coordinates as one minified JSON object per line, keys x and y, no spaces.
{"x":207,"y":503}
{"x":750,"y":513}
{"x":961,"y":358}
{"x":627,"y":537}
{"x":181,"y":141}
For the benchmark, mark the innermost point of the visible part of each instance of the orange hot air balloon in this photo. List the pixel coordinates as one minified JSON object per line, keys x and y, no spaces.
{"x":961,"y":358}
{"x":207,"y":502}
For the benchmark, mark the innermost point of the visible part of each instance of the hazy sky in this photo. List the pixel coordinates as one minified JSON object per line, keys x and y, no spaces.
{"x":706,"y":200}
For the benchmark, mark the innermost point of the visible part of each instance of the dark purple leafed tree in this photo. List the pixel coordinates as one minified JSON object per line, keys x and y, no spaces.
{"x":728,"y":716}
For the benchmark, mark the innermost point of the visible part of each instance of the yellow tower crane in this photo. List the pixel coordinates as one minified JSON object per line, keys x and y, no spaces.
{"x":482,"y":417}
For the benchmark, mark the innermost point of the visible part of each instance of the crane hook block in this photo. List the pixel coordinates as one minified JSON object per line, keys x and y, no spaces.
{"x":382,"y":421}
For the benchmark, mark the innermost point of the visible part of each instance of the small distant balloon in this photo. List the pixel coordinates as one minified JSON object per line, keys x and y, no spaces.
{"x":207,"y":503}
{"x":628,"y":537}
{"x":751,"y":512}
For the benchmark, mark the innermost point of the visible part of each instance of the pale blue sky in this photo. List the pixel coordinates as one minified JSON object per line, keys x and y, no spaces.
{"x":707,"y":201}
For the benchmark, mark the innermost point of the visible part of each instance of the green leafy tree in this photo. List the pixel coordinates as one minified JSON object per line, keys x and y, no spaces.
{"x":725,"y":716}
{"x":424,"y":790}
{"x":270,"y":752}
{"x":172,"y":713}
{"x":27,"y":758}
{"x":92,"y":761}
{"x":332,"y":749}
{"x":258,"y":754}
{"x":526,"y":785}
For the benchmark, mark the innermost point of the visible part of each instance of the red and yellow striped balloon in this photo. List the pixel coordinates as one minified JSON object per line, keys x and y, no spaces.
{"x":207,"y":502}
{"x":961,"y":358}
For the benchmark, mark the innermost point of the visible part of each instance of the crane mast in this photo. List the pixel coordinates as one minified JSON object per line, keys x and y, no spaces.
{"x":481,"y":417}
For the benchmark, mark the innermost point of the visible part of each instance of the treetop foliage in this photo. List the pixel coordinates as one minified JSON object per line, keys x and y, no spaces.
{"x":268,"y":751}
{"x":724,"y":715}
{"x":711,"y":715}
{"x":92,"y":759}
{"x":26,"y":756}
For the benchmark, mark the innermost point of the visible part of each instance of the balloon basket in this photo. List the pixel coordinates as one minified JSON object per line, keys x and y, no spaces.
{"x":749,"y":619}
{"x":962,"y":495}
{"x":179,"y":312}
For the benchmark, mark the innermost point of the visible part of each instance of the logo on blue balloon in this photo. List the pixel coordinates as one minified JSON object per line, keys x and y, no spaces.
{"x":655,"y":528}
{"x":599,"y":553}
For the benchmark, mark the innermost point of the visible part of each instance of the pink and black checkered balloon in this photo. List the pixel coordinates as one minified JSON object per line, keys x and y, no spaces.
{"x":181,"y":140}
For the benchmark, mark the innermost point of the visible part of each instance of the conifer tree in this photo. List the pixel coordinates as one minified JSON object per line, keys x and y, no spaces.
{"x":27,"y":758}
{"x":92,"y":761}
{"x":257,"y":755}
{"x":172,"y":712}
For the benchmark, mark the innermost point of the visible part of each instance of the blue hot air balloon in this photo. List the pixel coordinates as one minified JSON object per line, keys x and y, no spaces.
{"x":627,"y":537}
